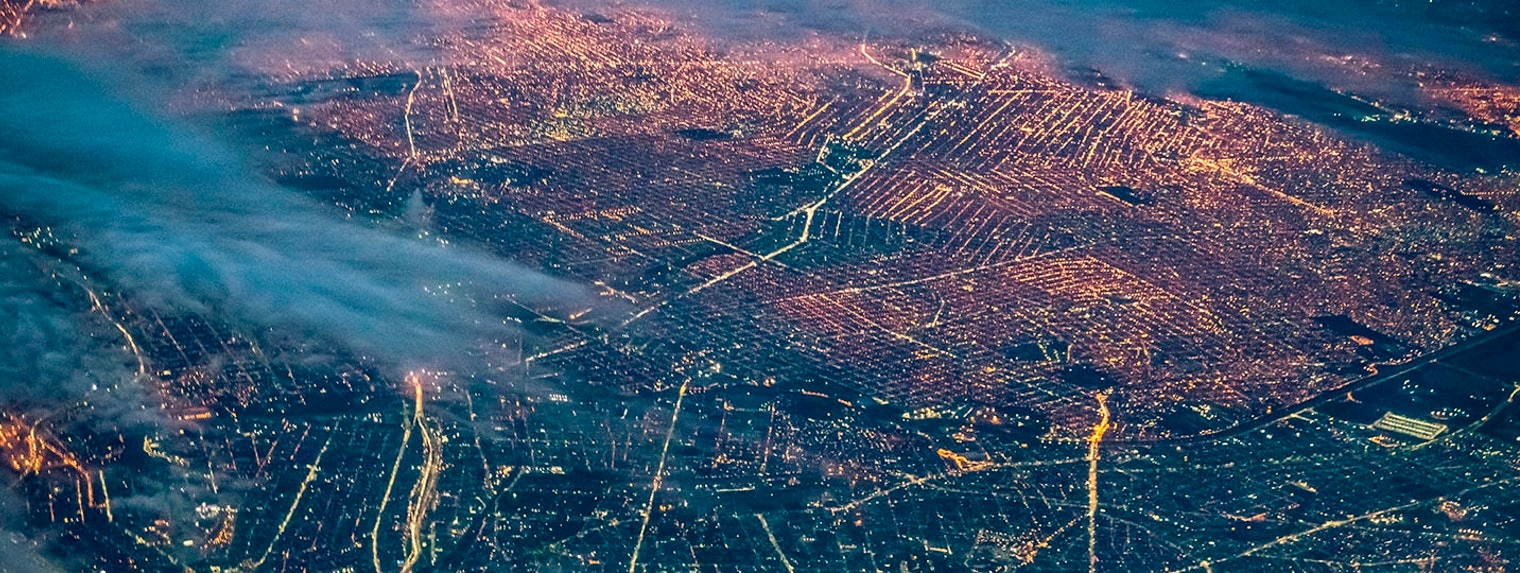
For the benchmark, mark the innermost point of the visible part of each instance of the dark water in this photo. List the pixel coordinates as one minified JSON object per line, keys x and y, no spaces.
{"x":1299,"y":57}
{"x":1168,"y":44}
{"x":1445,"y":146}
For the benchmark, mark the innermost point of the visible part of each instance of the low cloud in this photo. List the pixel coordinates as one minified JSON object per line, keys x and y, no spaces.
{"x":1161,"y":46}
{"x":176,"y":219}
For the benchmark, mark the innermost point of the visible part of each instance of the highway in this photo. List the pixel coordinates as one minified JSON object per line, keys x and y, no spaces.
{"x":1328,"y":395}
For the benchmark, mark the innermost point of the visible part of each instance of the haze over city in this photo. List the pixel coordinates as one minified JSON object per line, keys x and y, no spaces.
{"x":768,"y":285}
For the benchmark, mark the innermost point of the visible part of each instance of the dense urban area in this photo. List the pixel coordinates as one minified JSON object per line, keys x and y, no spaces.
{"x":860,"y":304}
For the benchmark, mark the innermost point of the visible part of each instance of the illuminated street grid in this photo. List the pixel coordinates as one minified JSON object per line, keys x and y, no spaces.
{"x":870,"y":306}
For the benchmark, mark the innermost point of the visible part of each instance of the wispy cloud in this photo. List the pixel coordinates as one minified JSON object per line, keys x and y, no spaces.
{"x":1165,"y":45}
{"x":175,"y":218}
